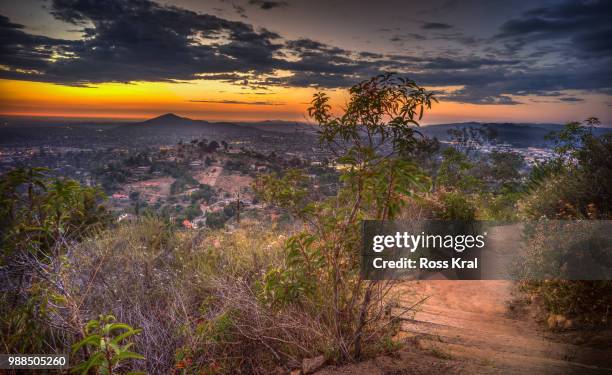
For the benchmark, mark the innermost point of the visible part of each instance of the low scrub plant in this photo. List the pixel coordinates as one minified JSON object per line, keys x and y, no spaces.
{"x":107,"y":344}
{"x":574,"y":186}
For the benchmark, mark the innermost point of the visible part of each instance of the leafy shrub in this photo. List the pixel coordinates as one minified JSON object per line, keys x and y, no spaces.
{"x":320,"y":275}
{"x":586,"y":302}
{"x":502,"y":206}
{"x":107,"y":344}
{"x":446,"y":205}
{"x":455,"y":171}
{"x":456,"y":206}
{"x":204,"y":193}
{"x":39,"y":216}
{"x":575,"y":185}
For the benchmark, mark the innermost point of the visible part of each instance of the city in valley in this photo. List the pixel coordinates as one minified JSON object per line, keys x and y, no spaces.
{"x":199,"y":173}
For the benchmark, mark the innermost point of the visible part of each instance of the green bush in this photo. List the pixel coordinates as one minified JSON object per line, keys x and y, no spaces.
{"x":577,"y":184}
{"x":40,"y":217}
{"x":107,"y":344}
{"x":456,"y":206}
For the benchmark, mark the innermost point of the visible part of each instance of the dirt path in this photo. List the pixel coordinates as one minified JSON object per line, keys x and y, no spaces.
{"x":464,"y":328}
{"x":209,"y":176}
{"x":469,"y":320}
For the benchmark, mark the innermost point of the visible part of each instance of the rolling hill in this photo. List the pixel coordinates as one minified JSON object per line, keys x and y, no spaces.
{"x":517,"y":135}
{"x":170,"y":128}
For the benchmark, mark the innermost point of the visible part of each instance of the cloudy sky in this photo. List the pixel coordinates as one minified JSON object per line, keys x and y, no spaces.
{"x":531,"y":61}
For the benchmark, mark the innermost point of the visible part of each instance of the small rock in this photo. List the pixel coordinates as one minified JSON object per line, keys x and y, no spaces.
{"x":310,"y":365}
{"x":552,"y":321}
{"x":560,"y":320}
{"x":296,"y":372}
{"x":421,"y":344}
{"x":403,"y":336}
{"x":568,"y":324}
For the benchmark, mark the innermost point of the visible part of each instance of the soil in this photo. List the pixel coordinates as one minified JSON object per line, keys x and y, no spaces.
{"x":469,"y":327}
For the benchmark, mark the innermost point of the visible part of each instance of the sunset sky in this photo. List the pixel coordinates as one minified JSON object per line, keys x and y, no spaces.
{"x":519,"y":61}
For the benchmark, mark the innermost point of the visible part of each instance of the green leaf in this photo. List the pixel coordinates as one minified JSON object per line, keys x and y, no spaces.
{"x":125,"y":335}
{"x":89,"y":340}
{"x":94,"y":360}
{"x":108,"y":328}
{"x":128,"y":355}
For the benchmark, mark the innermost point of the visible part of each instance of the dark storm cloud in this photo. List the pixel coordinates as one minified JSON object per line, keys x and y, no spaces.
{"x":143,"y":41}
{"x":127,"y":41}
{"x":436,"y":26}
{"x":583,"y":23}
{"x":307,"y":47}
{"x":473,"y":63}
{"x":25,"y":51}
{"x":407,"y":36}
{"x":571,"y":99}
{"x":370,"y":55}
{"x":458,"y":37}
{"x":266,"y":5}
{"x":323,"y":80}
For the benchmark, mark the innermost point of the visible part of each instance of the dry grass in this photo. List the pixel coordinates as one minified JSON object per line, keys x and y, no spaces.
{"x":197,"y":295}
{"x":194,"y":294}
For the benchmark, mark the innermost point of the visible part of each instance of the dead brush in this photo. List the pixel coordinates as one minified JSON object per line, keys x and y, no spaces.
{"x":236,"y":332}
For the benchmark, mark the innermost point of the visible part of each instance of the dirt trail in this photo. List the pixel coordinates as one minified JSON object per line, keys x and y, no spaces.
{"x":464,"y":328}
{"x":469,"y":320}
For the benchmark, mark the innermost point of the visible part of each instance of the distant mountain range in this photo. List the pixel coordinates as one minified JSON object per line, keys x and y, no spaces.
{"x":170,"y":128}
{"x":171,"y":125}
{"x":518,"y":135}
{"x":172,"y":120}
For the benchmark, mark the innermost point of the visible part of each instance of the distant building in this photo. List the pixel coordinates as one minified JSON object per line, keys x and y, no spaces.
{"x":199,"y":222}
{"x":126,"y":217}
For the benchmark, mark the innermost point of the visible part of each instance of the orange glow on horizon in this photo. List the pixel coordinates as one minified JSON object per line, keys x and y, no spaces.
{"x":142,"y":100}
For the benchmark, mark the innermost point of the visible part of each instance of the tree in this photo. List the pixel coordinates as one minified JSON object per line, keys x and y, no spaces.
{"x":192,"y":211}
{"x":577,"y":183}
{"x":371,"y":138}
{"x":213,"y":146}
{"x":135,"y":197}
{"x":455,"y":171}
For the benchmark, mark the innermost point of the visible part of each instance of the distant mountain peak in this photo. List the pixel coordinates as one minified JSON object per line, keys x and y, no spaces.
{"x":168,"y":116}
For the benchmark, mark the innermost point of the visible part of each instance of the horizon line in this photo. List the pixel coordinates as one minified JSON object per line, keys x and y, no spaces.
{"x":139,"y":118}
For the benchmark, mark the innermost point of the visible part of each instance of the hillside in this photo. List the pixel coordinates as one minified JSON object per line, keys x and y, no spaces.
{"x":518,"y":135}
{"x":174,"y":127}
{"x":162,"y":130}
{"x":281,"y":126}
{"x":171,"y":128}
